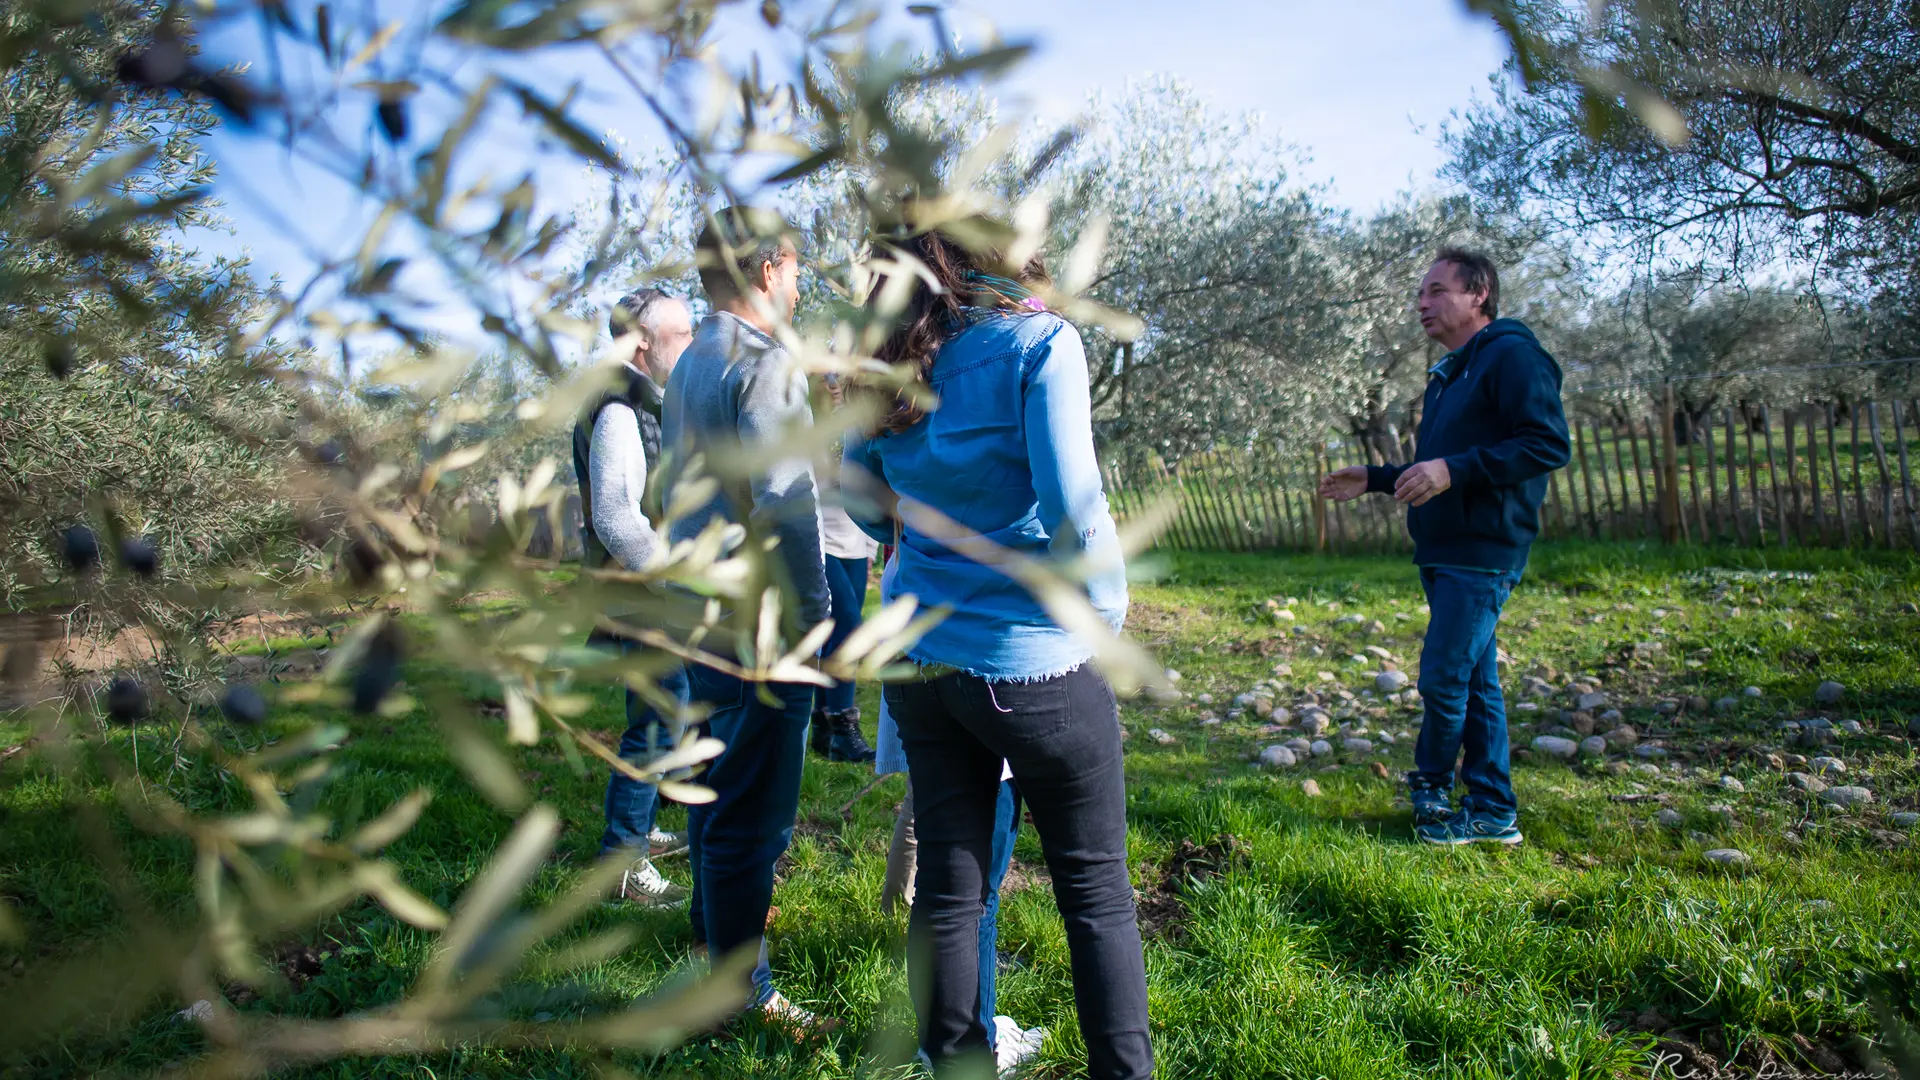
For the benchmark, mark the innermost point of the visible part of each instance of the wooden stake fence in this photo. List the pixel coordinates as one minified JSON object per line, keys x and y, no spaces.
{"x":1767,"y":474}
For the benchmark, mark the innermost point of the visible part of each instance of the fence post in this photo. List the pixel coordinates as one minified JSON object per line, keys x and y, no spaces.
{"x":1886,"y":478}
{"x":1906,"y":477}
{"x":1773,"y":480}
{"x":1859,"y":489}
{"x":1319,"y":504}
{"x":1672,"y":525}
{"x":1839,"y":485}
{"x":1586,"y":477}
{"x":1733,"y":481}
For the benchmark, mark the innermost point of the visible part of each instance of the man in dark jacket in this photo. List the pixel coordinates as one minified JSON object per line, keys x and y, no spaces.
{"x":1491,"y":430}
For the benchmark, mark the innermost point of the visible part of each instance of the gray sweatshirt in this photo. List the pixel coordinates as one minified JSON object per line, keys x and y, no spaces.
{"x":734,"y":389}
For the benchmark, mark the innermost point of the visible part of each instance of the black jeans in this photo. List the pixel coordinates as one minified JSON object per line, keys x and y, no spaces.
{"x":1062,"y":738}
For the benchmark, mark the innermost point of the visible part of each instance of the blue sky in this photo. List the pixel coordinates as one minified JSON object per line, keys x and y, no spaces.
{"x":1361,"y":86}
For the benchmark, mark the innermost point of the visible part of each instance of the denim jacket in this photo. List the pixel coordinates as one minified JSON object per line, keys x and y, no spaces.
{"x":1008,"y":454}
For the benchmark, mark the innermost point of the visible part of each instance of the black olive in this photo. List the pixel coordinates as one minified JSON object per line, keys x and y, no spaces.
{"x":126,"y":701}
{"x":393,"y":119}
{"x":243,"y":705}
{"x":138,"y":555}
{"x":81,"y":547}
{"x":59,"y":358}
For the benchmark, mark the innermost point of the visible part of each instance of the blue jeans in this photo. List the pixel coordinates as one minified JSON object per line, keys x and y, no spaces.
{"x":736,"y":839}
{"x":1460,"y":683}
{"x":846,"y":596}
{"x":631,"y":805}
{"x":1006,"y":827}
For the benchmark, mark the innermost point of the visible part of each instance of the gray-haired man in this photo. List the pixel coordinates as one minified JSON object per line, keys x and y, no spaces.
{"x":614,"y":445}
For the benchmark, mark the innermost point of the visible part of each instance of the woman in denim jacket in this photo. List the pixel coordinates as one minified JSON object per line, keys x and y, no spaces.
{"x":1007,"y":457}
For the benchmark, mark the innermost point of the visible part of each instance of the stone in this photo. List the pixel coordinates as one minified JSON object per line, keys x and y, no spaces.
{"x":1828,"y":766}
{"x":1852,"y":727}
{"x":1648,"y":751}
{"x":1593,"y":746}
{"x":1646,"y":768}
{"x":1280,"y":715}
{"x":199,"y":1012}
{"x":1753,"y":692}
{"x":1315,"y":722}
{"x":1582,"y":723}
{"x":1847,"y":796}
{"x":1243,"y":701}
{"x":1727,"y":856}
{"x":1905,"y":819}
{"x":1211,"y":720}
{"x":1161,"y":737}
{"x":1299,"y":746}
{"x":1622,"y":737}
{"x":1695,"y":836}
{"x":1590,"y":702}
{"x":1321,"y":748}
{"x":1391,"y":682}
{"x":1810,"y":784}
{"x":1204,"y":699}
{"x":1815,"y":723}
{"x":1726,"y":704}
{"x":1310,"y":787}
{"x":1277,"y":757}
{"x":1798,"y":761}
{"x":1667,"y":708}
{"x":1172,"y":675}
{"x":1829,"y":693}
{"x":1698,"y":704}
{"x":1669,"y":818}
{"x":1618,"y":768}
{"x":1357,"y":746}
{"x":1733,"y":784}
{"x":1283,"y":615}
{"x":1610,"y":719}
{"x":1554,"y":746}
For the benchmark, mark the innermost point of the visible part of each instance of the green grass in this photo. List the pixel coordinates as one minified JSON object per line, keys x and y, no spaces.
{"x":1339,"y":948}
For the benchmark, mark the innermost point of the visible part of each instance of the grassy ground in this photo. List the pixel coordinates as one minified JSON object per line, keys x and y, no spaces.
{"x":1329,"y":945}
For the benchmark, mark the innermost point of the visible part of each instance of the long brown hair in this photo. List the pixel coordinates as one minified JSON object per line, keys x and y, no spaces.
{"x":968,"y":279}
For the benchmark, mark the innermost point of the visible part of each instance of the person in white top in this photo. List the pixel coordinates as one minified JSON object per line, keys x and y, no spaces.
{"x":848,"y":551}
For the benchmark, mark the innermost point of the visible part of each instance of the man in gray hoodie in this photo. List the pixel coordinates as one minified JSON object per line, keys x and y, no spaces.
{"x":736,"y":392}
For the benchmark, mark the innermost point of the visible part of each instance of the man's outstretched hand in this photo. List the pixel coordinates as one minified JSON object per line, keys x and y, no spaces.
{"x":1422,"y":482}
{"x":1344,"y":485}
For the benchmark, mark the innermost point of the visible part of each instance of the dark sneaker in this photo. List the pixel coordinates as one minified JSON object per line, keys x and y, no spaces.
{"x":847,"y":743}
{"x":1468,"y":827}
{"x":1430,"y":806}
{"x":820,"y":733}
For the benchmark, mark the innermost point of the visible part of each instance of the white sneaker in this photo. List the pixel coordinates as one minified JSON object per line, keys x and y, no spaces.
{"x":1014,"y":1046}
{"x":660,"y":841}
{"x":642,"y":884}
{"x":798,"y":1021}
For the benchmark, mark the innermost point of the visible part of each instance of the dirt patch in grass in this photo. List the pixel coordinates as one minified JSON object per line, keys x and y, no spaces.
{"x":1161,"y":905}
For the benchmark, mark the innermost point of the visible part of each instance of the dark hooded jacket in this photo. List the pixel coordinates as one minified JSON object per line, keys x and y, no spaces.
{"x":1493,"y":414}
